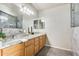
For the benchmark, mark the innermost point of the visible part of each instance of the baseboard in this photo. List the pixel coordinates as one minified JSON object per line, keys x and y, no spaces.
{"x":47,"y":45}
{"x":59,"y":48}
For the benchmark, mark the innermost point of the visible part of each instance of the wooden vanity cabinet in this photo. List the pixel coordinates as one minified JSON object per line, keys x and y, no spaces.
{"x":37,"y":45}
{"x":34,"y":45}
{"x":42,"y":41}
{"x":29,"y":47}
{"x":19,"y":53}
{"x":29,"y":50}
{"x":15,"y":50}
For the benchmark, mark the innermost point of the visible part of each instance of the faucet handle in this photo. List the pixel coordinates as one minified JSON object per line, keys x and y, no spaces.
{"x":12,"y":36}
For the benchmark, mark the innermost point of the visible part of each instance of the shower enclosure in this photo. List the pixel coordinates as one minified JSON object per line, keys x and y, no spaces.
{"x":75,"y":27}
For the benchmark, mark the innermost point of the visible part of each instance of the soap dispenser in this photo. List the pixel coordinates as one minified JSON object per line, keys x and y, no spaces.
{"x":28,"y":31}
{"x":32,"y":30}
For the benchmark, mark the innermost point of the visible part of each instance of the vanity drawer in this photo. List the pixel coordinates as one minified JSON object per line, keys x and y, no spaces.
{"x":20,"y":46}
{"x":16,"y":53}
{"x":19,"y":53}
{"x":12,"y":49}
{"x":9,"y":49}
{"x":41,"y":37}
{"x":37,"y":41}
{"x":29,"y":42}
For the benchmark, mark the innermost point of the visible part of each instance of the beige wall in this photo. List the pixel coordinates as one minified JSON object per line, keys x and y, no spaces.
{"x":57,"y":26}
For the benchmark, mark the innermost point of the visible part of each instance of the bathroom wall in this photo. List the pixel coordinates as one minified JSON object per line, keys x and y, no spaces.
{"x":28,"y":20}
{"x":58,"y":26}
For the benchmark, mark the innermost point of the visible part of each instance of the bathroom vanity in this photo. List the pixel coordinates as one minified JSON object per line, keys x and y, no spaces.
{"x":28,"y":47}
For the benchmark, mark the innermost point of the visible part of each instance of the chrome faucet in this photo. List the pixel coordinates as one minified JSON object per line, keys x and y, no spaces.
{"x":12,"y":36}
{"x":1,"y":30}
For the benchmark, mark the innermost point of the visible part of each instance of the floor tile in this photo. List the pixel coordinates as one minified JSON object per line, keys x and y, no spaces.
{"x":50,"y":51}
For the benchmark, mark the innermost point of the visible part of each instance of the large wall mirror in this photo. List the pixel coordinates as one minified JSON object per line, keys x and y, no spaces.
{"x":39,"y":24}
{"x":9,"y":21}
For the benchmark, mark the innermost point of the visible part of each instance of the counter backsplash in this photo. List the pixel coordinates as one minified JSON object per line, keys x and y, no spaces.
{"x":11,"y":31}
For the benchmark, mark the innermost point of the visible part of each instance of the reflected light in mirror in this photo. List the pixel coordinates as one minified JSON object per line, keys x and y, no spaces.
{"x":43,"y":20}
{"x":3,"y":18}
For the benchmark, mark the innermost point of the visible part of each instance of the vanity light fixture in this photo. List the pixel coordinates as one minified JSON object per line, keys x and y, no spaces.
{"x":31,"y":12}
{"x":28,"y":13}
{"x":43,"y":20}
{"x":25,"y":9}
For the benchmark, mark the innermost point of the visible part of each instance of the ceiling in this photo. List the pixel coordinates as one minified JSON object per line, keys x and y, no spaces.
{"x":44,"y":6}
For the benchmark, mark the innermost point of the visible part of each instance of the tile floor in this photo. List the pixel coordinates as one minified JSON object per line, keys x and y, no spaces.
{"x":49,"y":51}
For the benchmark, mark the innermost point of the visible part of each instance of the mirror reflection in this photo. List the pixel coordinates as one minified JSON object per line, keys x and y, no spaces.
{"x":39,"y":24}
{"x":9,"y":21}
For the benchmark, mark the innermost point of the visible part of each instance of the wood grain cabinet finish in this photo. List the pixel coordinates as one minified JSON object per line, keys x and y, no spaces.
{"x":29,"y":42}
{"x":19,"y":53}
{"x":29,"y":48}
{"x":37,"y":45}
{"x":15,"y":50}
{"x":36,"y":49}
{"x":0,"y":52}
{"x":42,"y":41}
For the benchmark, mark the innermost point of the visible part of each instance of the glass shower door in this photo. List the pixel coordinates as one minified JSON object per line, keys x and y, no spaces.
{"x":75,"y":27}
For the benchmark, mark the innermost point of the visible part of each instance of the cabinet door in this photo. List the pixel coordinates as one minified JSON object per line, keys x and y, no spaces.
{"x":37,"y":41}
{"x":29,"y":50}
{"x":42,"y":41}
{"x":37,"y":49}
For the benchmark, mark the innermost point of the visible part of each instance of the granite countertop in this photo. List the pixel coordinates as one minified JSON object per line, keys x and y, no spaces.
{"x":18,"y":40}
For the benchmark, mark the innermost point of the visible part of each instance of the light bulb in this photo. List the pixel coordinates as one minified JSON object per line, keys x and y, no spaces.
{"x":42,"y":20}
{"x":28,"y":13}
